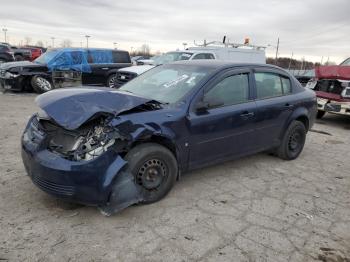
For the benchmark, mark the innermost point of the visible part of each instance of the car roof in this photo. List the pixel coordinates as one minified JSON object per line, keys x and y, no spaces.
{"x":84,"y":49}
{"x":221,"y":64}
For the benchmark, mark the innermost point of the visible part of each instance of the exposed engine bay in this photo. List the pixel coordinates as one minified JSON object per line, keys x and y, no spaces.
{"x":84,"y":144}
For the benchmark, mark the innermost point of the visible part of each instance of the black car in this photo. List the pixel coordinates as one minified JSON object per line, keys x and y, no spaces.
{"x":20,"y":54}
{"x":114,"y":148}
{"x":50,"y":70}
{"x":6,"y":54}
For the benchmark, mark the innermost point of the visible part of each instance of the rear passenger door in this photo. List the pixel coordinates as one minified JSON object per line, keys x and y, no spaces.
{"x":274,"y":106}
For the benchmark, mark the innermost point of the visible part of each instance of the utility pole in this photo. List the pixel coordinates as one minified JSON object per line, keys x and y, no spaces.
{"x":184,"y":44}
{"x":5,"y":31}
{"x":290,"y":61}
{"x":53,"y":42}
{"x":115,"y":45}
{"x":87,"y":40}
{"x":277,"y":47}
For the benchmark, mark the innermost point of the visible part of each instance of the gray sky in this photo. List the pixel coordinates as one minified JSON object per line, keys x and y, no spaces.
{"x":310,"y":28}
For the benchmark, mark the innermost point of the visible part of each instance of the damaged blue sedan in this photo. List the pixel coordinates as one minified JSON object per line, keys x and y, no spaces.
{"x":115,"y":148}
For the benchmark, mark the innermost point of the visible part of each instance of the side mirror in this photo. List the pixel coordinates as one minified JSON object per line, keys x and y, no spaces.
{"x":207,"y":103}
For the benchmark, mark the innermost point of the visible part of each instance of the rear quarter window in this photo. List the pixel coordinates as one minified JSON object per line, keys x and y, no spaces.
{"x":121,"y":57}
{"x":100,"y":57}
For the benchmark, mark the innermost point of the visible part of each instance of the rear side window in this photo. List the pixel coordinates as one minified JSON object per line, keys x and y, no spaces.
{"x":100,"y":57}
{"x":204,"y":56}
{"x":271,"y":85}
{"x":231,"y":90}
{"x":121,"y":57}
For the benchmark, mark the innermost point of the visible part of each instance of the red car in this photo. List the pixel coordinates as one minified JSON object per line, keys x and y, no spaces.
{"x":36,"y":52}
{"x":332,"y":87}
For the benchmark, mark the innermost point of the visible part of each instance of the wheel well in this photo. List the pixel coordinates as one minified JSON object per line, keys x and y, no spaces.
{"x":167,"y":143}
{"x":304,"y":120}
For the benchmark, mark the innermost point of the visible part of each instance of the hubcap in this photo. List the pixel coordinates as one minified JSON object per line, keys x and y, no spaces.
{"x":152,"y":174}
{"x":43,"y":83}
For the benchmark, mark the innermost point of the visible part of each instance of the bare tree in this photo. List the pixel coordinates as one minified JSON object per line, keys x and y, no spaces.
{"x":39,"y":43}
{"x":66,"y":43}
{"x":145,"y":49}
{"x":28,"y":40}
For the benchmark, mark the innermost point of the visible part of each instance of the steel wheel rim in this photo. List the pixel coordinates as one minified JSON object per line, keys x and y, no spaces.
{"x":294,"y":142}
{"x":152,"y":174}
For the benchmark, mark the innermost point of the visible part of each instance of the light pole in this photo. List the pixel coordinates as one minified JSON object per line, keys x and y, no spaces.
{"x":184,"y":44}
{"x":53,"y":42}
{"x":5,"y":31}
{"x":87,"y":40}
{"x":115,"y":45}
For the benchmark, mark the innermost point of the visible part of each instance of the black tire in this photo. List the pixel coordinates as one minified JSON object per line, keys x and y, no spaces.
{"x":293,"y":141}
{"x":155,"y":169}
{"x":320,"y":114}
{"x":41,"y":84}
{"x":111,"y":81}
{"x":19,"y":58}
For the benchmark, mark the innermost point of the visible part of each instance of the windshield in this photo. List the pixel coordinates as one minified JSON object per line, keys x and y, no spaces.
{"x":166,"y":84}
{"x":171,"y":57}
{"x":346,"y":62}
{"x":47,"y":57}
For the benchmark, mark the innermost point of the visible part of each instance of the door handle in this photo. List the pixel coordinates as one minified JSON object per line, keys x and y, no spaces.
{"x":105,"y":68}
{"x":247,"y":114}
{"x":288,"y":105}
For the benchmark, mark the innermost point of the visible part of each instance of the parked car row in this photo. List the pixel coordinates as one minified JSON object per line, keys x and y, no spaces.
{"x":96,"y":67}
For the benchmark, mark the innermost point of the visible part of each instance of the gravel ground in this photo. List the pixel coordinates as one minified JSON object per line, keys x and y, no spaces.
{"x":258,"y":208}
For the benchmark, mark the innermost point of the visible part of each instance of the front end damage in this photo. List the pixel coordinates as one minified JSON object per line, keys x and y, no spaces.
{"x":332,"y":88}
{"x":85,"y":164}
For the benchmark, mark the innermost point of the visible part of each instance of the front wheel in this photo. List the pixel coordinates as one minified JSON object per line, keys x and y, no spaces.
{"x":293,"y":141}
{"x":41,"y":84}
{"x":155,"y":170}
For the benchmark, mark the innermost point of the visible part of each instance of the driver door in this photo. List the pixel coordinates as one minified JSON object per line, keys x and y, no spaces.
{"x":226,"y":128}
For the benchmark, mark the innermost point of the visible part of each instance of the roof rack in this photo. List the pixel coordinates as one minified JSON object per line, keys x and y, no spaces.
{"x":225,"y":43}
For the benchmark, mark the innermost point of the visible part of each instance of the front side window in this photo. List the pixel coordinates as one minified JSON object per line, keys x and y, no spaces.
{"x":167,"y":84}
{"x":231,"y":90}
{"x":346,"y":62}
{"x":271,"y":85}
{"x":122,"y":57}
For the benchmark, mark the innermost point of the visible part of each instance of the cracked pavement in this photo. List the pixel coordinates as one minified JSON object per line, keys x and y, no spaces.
{"x":257,"y":208}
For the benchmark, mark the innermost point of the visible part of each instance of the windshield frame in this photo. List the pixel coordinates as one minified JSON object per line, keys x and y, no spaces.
{"x":346,"y":62}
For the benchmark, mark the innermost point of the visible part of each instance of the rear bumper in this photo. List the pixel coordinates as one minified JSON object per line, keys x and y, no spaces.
{"x":335,"y":107}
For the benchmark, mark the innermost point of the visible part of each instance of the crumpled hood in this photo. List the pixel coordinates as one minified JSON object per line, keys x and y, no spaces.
{"x":72,"y":107}
{"x":10,"y":65}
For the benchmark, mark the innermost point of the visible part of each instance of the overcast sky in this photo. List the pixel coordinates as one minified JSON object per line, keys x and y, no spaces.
{"x":310,"y":28}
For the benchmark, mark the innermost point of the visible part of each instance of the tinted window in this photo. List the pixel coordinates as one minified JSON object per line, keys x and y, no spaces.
{"x":121,"y":57}
{"x":4,"y":48}
{"x":203,"y":56}
{"x":268,"y":85}
{"x":77,"y":57}
{"x":100,"y":57}
{"x":232,"y":90}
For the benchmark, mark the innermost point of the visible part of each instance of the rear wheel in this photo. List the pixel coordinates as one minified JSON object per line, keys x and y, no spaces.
{"x":320,"y":114}
{"x":154,"y":168}
{"x":111,"y":81}
{"x":41,"y":84}
{"x":293,"y":141}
